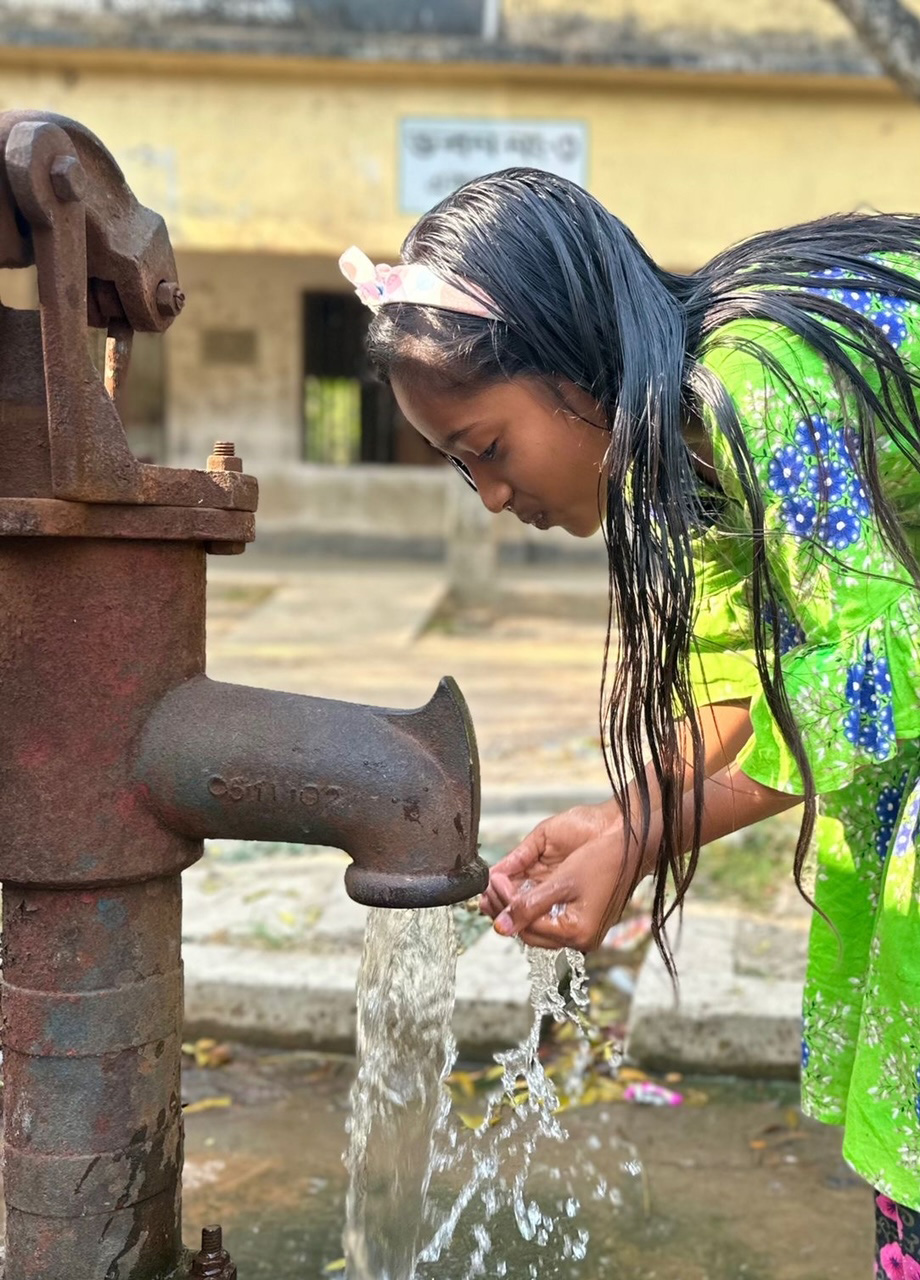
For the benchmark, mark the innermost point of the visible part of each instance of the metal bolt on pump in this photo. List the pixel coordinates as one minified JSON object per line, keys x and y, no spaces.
{"x":212,"y":1262}
{"x":223,"y":457}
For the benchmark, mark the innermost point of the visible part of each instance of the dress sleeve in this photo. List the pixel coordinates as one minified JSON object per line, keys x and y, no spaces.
{"x":850,"y":622}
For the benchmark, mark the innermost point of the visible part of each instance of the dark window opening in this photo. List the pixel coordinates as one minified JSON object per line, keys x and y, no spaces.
{"x":348,"y":415}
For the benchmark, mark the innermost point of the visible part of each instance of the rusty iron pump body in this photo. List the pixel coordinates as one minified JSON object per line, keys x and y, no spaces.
{"x":118,"y":756}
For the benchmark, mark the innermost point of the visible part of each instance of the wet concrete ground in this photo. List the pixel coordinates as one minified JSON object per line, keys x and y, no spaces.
{"x":738,"y":1187}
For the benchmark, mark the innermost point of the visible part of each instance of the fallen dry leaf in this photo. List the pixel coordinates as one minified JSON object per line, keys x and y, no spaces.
{"x":206,"y":1104}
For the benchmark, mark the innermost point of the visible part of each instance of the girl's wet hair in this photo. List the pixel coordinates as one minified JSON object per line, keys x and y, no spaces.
{"x":581,"y":301}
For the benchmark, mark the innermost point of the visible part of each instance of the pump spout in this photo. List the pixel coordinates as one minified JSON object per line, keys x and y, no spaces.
{"x":397,"y":790}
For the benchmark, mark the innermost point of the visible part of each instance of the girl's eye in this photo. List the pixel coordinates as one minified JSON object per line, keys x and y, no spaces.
{"x":488,"y":454}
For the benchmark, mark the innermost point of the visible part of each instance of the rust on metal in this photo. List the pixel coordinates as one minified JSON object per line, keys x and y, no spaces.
{"x":68,"y":178}
{"x":118,"y":755}
{"x":49,"y":518}
{"x":102,"y":575}
{"x":91,"y":997}
{"x":104,"y":235}
{"x":223,"y":457}
{"x":118,"y":343}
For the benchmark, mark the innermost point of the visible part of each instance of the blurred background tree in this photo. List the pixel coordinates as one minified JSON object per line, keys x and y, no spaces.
{"x":891,"y":32}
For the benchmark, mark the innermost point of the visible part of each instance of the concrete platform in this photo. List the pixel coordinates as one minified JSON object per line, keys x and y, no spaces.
{"x":738,"y":1007}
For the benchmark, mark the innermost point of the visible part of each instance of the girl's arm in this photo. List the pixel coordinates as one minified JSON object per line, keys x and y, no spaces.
{"x":726,"y":727}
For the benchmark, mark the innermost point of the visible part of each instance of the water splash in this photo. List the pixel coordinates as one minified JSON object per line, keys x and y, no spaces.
{"x":498,"y":1158}
{"x":421,"y":1183}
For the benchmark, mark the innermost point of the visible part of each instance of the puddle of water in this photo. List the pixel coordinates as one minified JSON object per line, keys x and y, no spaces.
{"x":710,"y":1207}
{"x":734,"y":1188}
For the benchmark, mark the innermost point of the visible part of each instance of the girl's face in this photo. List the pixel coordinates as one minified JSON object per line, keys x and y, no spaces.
{"x":525,"y":450}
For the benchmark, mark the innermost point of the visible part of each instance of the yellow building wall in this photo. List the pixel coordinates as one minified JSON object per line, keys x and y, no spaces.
{"x":304,"y":161}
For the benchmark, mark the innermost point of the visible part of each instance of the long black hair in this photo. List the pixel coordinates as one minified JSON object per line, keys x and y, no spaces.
{"x":580,"y":300}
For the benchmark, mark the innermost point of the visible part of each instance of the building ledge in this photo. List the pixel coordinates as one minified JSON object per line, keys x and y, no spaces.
{"x":567,"y":43}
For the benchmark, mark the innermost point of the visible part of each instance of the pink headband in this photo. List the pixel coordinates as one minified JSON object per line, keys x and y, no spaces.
{"x":409,"y":282}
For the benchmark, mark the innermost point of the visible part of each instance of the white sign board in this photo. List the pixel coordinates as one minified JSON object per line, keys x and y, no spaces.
{"x":438,"y":154}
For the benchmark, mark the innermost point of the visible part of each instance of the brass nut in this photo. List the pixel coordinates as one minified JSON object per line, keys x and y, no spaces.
{"x":68,"y":179}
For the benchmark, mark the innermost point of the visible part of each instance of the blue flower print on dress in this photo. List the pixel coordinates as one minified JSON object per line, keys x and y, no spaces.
{"x":870,"y":721}
{"x":823,"y":495}
{"x":830,"y":273}
{"x":891,"y":324}
{"x":787,"y":470}
{"x":887,"y":808}
{"x":884,"y":310}
{"x":791,"y":634}
{"x":815,"y":436}
{"x":806,"y":1054}
{"x":830,"y":481}
{"x":801,"y":516}
{"x":839,"y":528}
{"x":858,"y":497}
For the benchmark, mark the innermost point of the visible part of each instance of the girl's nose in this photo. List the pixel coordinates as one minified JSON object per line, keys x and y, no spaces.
{"x":495,"y":494}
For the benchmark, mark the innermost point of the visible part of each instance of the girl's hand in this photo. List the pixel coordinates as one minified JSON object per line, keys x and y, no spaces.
{"x":567,"y":882}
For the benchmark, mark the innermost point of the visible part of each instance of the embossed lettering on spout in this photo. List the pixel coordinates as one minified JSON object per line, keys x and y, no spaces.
{"x":266,"y":791}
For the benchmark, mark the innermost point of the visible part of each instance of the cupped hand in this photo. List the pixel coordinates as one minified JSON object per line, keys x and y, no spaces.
{"x":566,"y":882}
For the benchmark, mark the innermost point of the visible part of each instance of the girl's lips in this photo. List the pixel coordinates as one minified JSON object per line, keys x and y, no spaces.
{"x":539,"y":519}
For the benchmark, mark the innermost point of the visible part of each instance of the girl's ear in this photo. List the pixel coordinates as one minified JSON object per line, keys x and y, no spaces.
{"x":580,"y":404}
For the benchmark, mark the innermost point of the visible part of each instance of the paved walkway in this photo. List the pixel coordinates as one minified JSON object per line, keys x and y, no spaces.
{"x":357,"y":630}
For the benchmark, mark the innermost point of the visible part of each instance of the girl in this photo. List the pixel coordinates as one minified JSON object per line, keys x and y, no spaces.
{"x":748,"y":437}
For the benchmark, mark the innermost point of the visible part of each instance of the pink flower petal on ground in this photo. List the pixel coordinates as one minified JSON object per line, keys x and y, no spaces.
{"x":890,"y":1210}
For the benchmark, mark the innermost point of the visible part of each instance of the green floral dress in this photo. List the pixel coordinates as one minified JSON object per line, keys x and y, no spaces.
{"x":850,"y":635}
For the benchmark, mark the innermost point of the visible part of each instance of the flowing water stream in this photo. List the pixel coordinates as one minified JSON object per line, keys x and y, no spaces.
{"x":398,"y":1101}
{"x":422,"y":1187}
